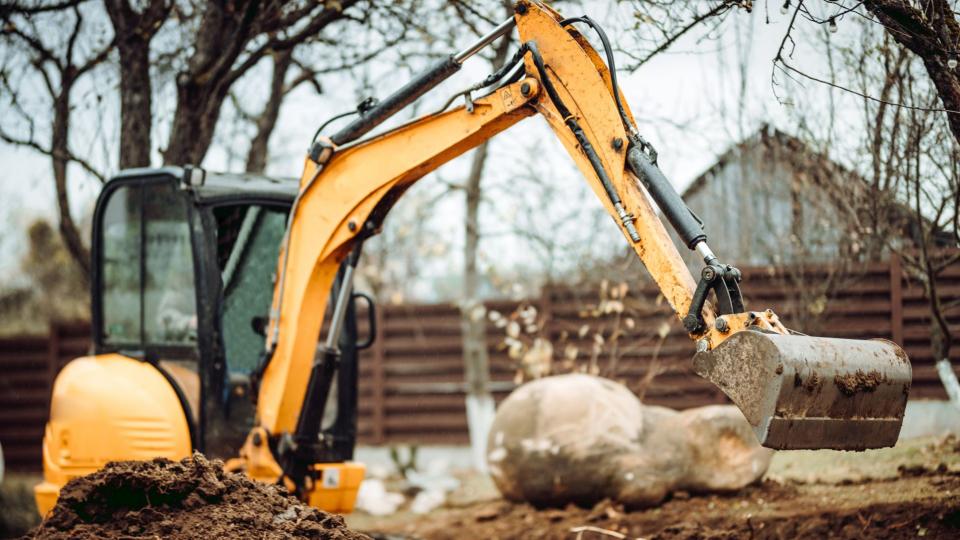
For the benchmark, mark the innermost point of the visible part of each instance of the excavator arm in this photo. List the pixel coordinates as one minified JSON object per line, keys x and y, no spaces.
{"x":349,"y":183}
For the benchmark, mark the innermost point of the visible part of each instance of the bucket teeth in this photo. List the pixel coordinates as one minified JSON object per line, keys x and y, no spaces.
{"x":801,"y":392}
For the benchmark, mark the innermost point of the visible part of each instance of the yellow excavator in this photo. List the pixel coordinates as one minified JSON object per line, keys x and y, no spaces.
{"x":210,"y":290}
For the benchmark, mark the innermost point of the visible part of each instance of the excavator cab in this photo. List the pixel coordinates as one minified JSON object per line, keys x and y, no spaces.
{"x":183,"y":276}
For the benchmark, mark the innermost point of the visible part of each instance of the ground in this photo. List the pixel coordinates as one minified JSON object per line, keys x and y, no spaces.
{"x":909,"y":491}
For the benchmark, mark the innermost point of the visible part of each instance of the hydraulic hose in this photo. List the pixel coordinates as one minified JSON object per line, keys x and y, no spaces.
{"x":671,"y":204}
{"x":571,"y":121}
{"x":611,"y":67}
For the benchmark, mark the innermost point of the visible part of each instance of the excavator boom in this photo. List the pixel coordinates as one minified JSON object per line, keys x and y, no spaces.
{"x":797,"y":391}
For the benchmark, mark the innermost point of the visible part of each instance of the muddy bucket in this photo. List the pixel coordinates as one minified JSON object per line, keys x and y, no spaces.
{"x":801,"y":392}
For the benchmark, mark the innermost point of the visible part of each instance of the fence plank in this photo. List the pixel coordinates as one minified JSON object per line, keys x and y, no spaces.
{"x":896,"y":300}
{"x":411,"y":380}
{"x":377,"y":379}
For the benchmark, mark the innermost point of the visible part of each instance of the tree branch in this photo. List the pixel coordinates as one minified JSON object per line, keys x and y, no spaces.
{"x":696,"y":21}
{"x":68,"y":156}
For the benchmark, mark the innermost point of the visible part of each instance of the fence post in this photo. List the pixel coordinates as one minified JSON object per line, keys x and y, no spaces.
{"x":378,"y":391}
{"x":896,"y":300}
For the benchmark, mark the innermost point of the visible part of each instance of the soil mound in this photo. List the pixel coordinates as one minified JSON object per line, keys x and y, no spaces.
{"x":194,"y":498}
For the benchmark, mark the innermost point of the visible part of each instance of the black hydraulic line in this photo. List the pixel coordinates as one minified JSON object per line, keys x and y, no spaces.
{"x":517,"y":74}
{"x":611,"y":66}
{"x":494,"y":77}
{"x":437,"y":73}
{"x":504,"y":69}
{"x":330,"y":121}
{"x":406,"y":95}
{"x":571,"y":121}
{"x":644,"y":164}
{"x":307,"y":446}
{"x":671,"y":204}
{"x":321,"y":376}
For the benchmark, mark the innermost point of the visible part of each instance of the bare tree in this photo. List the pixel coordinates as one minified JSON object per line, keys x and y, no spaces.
{"x":229,"y":41}
{"x":906,"y":197}
{"x":927,"y":28}
{"x":207,"y":47}
{"x":480,"y":405}
{"x":265,"y":122}
{"x":919,"y":165}
{"x":59,"y":64}
{"x":658,"y":24}
{"x":134,"y":32}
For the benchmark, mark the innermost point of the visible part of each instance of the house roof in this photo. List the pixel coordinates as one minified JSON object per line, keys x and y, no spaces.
{"x":766,"y":136}
{"x":821,"y":170}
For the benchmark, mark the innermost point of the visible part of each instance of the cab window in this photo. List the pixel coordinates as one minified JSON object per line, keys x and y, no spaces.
{"x":148,"y":296}
{"x":120,"y":267}
{"x":169,"y":299}
{"x":248,"y":243}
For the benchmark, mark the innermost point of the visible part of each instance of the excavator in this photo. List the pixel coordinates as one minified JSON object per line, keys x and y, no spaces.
{"x":210,"y":291}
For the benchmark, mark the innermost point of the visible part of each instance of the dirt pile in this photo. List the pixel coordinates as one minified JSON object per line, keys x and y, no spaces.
{"x":194,"y":498}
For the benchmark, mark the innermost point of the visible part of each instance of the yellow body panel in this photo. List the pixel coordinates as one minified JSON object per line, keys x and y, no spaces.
{"x":345,"y":193}
{"x":337,"y":486}
{"x":107,"y":408}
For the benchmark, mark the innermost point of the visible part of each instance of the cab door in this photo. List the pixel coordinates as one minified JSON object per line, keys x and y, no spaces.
{"x":243,"y":240}
{"x":144,"y":302}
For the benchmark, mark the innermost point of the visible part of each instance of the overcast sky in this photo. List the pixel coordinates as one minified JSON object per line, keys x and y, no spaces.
{"x":686,"y":101}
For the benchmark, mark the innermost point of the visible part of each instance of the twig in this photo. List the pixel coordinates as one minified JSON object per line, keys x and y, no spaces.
{"x":696,"y":21}
{"x":606,"y":532}
{"x":783,"y":65}
{"x":786,"y":68}
{"x":56,"y":154}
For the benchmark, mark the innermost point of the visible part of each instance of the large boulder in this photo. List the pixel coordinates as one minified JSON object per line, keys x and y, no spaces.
{"x":578,"y":438}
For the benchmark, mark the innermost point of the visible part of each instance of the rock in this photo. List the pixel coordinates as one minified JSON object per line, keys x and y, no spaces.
{"x":374,"y":499}
{"x":726,"y":455}
{"x":556,"y":440}
{"x":426,"y":501}
{"x":581,"y":439}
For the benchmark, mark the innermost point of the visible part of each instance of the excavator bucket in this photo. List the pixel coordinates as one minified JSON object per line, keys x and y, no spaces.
{"x":801,"y":392}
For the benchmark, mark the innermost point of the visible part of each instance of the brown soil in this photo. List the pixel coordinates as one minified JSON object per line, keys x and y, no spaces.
{"x":852,"y":383}
{"x":920,"y":499}
{"x":194,"y":498}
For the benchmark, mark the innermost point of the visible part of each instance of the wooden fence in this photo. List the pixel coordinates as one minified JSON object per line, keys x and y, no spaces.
{"x":411,"y":380}
{"x":28,"y":366}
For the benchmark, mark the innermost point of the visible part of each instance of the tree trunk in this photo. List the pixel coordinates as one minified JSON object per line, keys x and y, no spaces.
{"x":480,"y":406}
{"x":257,"y":155}
{"x":931,"y":31}
{"x":948,"y":377}
{"x":135,"y":103}
{"x":202,"y":88}
{"x":134,"y":31}
{"x":222,"y":56}
{"x":941,"y":340}
{"x":194,"y":123}
{"x":932,"y":35}
{"x":59,"y":152}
